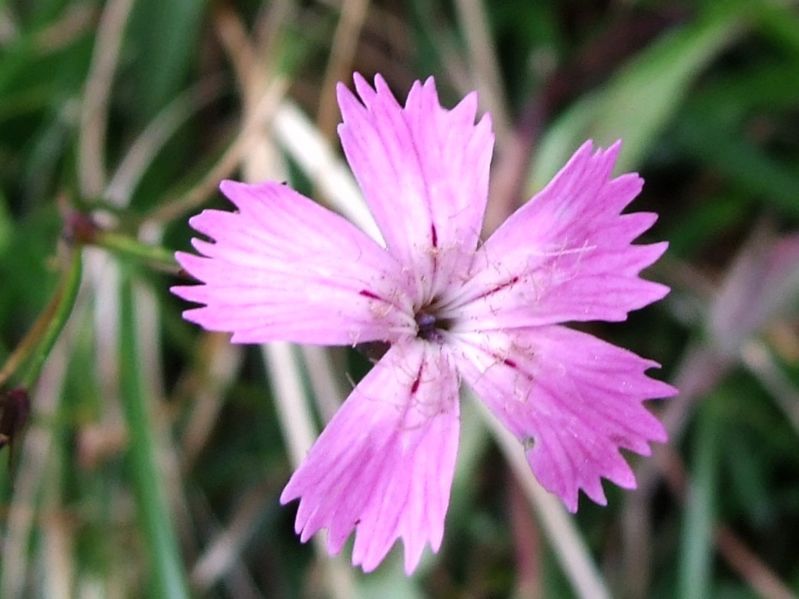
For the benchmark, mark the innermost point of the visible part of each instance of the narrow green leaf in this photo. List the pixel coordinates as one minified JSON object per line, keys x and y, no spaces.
{"x":695,"y":573}
{"x":638,"y":102}
{"x":6,"y":224}
{"x":57,"y":313}
{"x":168,"y":576}
{"x":744,"y":163}
{"x":126,"y":246}
{"x":165,"y":36}
{"x":780,"y":22}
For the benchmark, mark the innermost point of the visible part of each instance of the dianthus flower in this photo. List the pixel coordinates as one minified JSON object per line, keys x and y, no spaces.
{"x":450,"y":307}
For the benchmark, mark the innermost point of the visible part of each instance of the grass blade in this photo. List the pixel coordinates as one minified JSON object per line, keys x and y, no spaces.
{"x":168,"y":576}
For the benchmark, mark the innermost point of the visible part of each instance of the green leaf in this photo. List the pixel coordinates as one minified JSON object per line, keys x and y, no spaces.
{"x":747,"y":165}
{"x":697,"y":535}
{"x":780,"y":23}
{"x":638,"y":102}
{"x":6,"y":224}
{"x":164,"y":35}
{"x":168,"y":576}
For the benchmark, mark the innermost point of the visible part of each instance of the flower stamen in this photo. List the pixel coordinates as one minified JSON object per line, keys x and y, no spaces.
{"x":430,"y":327}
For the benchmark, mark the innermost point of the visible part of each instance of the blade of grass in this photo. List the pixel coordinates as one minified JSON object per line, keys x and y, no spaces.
{"x":342,"y":54}
{"x":237,"y":580}
{"x":158,"y":530}
{"x":228,"y":162}
{"x":744,"y":561}
{"x":64,"y":303}
{"x":779,"y":21}
{"x":484,"y":63}
{"x":56,"y":552}
{"x":695,"y":565}
{"x":637,"y":103}
{"x":296,"y":422}
{"x":207,"y":381}
{"x":225,"y":549}
{"x":757,"y":357}
{"x":94,"y":110}
{"x":166,"y":34}
{"x":33,"y":466}
{"x":751,"y":169}
{"x":748,"y":564}
{"x":128,"y":247}
{"x":296,"y":134}
{"x":37,"y":344}
{"x":152,"y":139}
{"x":563,"y":536}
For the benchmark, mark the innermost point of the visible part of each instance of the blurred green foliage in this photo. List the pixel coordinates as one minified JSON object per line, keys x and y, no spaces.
{"x":155,"y":454}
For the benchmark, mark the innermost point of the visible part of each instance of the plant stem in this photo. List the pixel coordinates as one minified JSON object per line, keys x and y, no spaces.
{"x":126,"y":246}
{"x":168,"y":574}
{"x":39,"y":341}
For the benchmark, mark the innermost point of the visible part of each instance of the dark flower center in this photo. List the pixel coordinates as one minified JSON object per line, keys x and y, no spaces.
{"x":430,"y":326}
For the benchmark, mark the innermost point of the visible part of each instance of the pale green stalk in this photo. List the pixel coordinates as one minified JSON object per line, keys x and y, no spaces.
{"x":563,"y":536}
{"x":168,"y":576}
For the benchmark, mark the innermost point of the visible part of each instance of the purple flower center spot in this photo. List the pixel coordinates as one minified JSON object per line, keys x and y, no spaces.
{"x":430,"y":326}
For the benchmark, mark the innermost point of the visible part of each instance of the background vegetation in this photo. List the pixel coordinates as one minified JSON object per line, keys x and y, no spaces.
{"x":154,"y":453}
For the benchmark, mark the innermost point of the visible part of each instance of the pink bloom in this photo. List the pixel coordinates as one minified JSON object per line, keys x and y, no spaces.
{"x":284,"y":268}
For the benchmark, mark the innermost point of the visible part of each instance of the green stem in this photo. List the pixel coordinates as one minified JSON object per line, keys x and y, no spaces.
{"x":168,"y":573}
{"x":126,"y":246}
{"x":51,"y":323}
{"x":696,"y":562}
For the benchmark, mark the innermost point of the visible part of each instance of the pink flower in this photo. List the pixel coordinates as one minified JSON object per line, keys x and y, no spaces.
{"x":284,"y":268}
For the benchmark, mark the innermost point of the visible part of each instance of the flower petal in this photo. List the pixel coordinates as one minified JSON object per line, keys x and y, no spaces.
{"x":384,"y":464}
{"x":285,"y":268}
{"x":566,"y":255}
{"x":572,"y":399}
{"x":424,"y":172}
